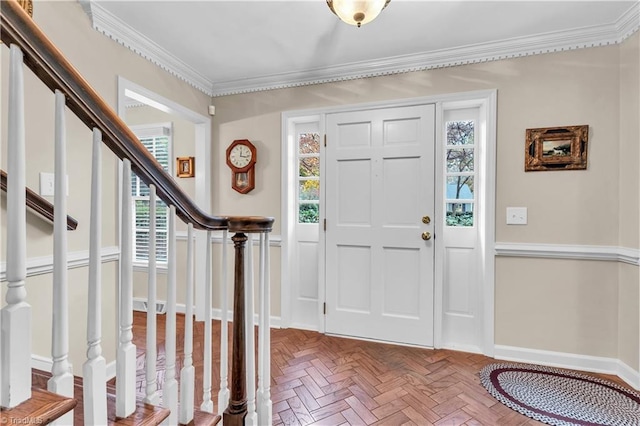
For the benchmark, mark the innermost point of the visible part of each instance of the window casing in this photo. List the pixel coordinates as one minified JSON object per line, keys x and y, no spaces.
{"x":157,"y":139}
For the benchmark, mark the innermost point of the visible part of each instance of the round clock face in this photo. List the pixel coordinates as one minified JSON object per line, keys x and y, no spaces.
{"x":240,"y":156}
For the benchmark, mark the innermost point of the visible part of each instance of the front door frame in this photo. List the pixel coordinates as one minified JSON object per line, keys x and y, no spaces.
{"x":487,"y":101}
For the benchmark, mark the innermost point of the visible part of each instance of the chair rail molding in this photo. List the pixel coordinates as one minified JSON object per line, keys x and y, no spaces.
{"x":627,"y":255}
{"x":77,"y":259}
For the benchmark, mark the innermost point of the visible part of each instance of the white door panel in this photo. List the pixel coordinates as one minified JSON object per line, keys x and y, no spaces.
{"x":379,"y":185}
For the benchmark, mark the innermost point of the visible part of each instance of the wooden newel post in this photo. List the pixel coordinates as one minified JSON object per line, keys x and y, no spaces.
{"x":237,"y":410}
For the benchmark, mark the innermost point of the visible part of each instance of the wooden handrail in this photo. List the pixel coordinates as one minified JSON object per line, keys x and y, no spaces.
{"x":48,"y":63}
{"x":38,"y":204}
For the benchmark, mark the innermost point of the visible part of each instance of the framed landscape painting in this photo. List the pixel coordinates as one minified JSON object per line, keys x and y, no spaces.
{"x":556,"y":148}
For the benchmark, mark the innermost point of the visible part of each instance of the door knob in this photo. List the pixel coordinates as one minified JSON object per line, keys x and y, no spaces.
{"x":426,"y":235}
{"x":426,"y":219}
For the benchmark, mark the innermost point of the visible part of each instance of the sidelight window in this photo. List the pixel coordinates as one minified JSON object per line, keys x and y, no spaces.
{"x":308,"y":177}
{"x":460,"y":173}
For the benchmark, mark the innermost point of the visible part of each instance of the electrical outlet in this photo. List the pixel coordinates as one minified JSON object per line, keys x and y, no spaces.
{"x":516,"y":215}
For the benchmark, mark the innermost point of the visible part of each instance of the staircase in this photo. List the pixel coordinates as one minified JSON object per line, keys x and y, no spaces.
{"x":239,"y":401}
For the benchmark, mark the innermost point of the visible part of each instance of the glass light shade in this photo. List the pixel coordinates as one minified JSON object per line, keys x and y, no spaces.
{"x":357,"y":12}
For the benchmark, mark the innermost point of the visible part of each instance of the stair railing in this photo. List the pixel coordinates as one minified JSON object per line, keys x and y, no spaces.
{"x":38,"y":204}
{"x":29,"y":46}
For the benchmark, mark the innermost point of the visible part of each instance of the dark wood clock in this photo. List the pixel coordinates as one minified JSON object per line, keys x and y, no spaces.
{"x":241,"y":158}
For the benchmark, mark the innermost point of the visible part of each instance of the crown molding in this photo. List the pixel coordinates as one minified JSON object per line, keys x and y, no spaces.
{"x":106,"y":23}
{"x":594,"y":36}
{"x":629,"y":22}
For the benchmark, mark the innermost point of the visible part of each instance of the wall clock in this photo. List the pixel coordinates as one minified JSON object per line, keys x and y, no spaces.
{"x":241,"y":158}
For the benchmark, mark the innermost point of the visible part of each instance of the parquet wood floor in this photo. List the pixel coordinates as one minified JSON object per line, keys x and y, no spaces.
{"x":325,"y":380}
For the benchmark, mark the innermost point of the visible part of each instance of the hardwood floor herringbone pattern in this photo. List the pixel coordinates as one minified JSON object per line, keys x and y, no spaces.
{"x":325,"y":380}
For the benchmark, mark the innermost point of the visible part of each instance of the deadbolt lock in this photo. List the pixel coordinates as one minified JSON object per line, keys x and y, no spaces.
{"x":426,"y":219}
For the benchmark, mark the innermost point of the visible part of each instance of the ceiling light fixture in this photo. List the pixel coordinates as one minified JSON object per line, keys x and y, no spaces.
{"x":357,"y":12}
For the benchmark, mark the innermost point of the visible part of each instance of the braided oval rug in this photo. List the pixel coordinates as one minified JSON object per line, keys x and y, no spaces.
{"x":561,"y":397}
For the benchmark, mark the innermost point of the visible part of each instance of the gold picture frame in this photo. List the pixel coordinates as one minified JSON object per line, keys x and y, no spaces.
{"x":185,"y":167}
{"x":556,"y":148}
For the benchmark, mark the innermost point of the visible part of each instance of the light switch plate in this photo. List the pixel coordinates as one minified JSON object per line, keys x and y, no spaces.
{"x":47,"y":184}
{"x":516,"y":215}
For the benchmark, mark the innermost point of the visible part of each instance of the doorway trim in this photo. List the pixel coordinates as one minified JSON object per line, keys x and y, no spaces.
{"x":487,"y":101}
{"x":202,"y":125}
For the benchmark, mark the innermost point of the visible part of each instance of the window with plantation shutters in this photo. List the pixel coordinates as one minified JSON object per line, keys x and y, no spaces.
{"x":157,"y":139}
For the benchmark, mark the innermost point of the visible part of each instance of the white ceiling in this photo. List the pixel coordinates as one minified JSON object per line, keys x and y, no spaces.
{"x":224,"y":47}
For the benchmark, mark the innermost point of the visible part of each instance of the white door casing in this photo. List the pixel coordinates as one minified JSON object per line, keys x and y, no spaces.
{"x":202,"y":125}
{"x":486,"y":103}
{"x":379,"y":184}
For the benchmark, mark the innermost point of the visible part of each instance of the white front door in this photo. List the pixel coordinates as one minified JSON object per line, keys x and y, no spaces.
{"x":379,"y":187}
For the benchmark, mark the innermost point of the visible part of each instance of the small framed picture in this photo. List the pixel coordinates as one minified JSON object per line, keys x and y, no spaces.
{"x":556,"y":148}
{"x":185,"y":167}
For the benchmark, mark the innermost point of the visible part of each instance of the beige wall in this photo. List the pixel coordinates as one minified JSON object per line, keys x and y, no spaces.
{"x":183,"y":140}
{"x":629,"y":290}
{"x":538,"y":91}
{"x":100,"y":60}
{"x":572,"y":306}
{"x":555,"y":305}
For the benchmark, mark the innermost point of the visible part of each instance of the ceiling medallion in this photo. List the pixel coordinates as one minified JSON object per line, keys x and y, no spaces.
{"x":357,"y":12}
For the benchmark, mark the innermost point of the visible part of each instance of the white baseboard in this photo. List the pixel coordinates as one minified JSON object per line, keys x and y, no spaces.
{"x":570,"y":361}
{"x":43,"y":363}
{"x":111,"y":370}
{"x":216,"y":314}
{"x":629,"y":375}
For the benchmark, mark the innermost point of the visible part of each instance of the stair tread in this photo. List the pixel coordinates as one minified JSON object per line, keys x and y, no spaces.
{"x":43,"y":407}
{"x":145,"y":414}
{"x":202,"y":418}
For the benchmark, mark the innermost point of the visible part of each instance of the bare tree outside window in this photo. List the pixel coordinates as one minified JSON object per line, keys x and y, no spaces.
{"x":460,"y":172}
{"x":309,"y":177}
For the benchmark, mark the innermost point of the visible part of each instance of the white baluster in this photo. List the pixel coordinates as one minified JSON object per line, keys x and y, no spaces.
{"x":152,"y":396}
{"x":126,"y":353}
{"x":187,"y":374}
{"x":94,"y":375}
{"x":207,"y":403}
{"x":170,"y":390}
{"x":16,"y":315}
{"x":61,"y":381}
{"x":252,"y":417}
{"x":223,"y":395}
{"x":264,"y":339}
